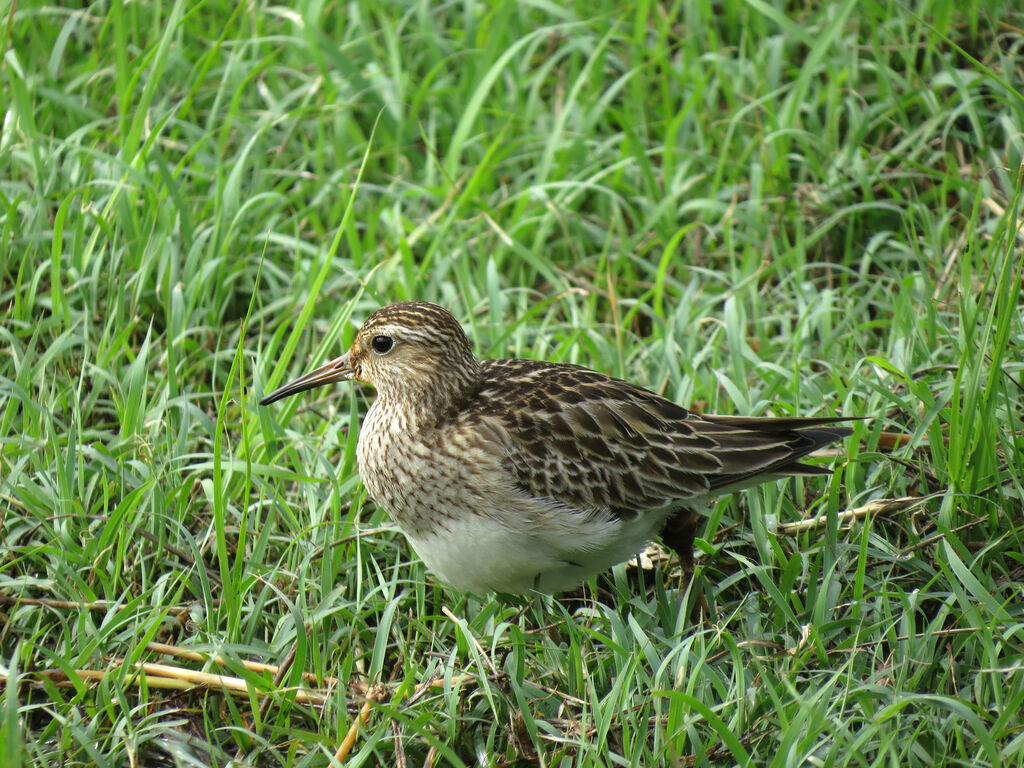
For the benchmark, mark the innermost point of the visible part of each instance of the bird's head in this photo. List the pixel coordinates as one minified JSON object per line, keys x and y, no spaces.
{"x":413,"y":351}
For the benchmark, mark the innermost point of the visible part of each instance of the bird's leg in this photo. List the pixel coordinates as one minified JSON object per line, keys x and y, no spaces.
{"x":678,"y":535}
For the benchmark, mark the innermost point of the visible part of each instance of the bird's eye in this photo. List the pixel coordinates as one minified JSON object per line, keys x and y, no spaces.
{"x":382,"y":344}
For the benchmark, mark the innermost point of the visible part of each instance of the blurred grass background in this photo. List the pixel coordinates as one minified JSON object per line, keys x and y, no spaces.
{"x":753,"y":206}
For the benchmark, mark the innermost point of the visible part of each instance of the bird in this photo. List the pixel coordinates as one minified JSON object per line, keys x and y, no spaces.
{"x":520,"y":476}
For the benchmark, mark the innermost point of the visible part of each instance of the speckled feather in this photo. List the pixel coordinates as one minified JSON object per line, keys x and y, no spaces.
{"x":515,"y":475}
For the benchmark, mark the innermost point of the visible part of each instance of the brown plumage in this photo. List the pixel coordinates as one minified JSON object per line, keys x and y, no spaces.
{"x":519,"y":475}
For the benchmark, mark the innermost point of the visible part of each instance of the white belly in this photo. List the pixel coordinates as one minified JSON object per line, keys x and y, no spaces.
{"x":479,"y":554}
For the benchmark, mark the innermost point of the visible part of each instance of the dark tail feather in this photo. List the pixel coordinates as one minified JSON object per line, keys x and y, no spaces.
{"x":796,"y":423}
{"x":809,"y":434}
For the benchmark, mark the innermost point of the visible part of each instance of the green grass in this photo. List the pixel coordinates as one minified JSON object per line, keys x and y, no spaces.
{"x":751,"y":207}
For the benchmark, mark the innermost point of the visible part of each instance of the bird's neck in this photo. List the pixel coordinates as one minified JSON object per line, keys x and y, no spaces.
{"x":418,"y":407}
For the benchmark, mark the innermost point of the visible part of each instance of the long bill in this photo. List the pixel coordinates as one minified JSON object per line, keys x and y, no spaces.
{"x":338,"y":369}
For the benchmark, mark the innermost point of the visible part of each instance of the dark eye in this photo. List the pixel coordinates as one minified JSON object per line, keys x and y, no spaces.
{"x":382,"y":344}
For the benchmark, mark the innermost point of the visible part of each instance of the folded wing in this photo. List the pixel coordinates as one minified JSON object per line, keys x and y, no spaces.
{"x":593,"y":442}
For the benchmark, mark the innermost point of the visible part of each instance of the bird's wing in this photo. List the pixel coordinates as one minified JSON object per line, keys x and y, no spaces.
{"x":589,"y":441}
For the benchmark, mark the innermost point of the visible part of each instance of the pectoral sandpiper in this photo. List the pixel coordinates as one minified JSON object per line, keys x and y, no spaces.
{"x":518,"y":475}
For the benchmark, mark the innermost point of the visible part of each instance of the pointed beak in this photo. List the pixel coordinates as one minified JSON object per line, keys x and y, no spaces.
{"x":339,"y":369}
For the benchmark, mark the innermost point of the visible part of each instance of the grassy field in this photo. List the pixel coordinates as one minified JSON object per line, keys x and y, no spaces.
{"x":759,"y":207}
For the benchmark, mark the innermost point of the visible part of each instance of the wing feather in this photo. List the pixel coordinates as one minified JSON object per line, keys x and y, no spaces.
{"x":593,"y":442}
